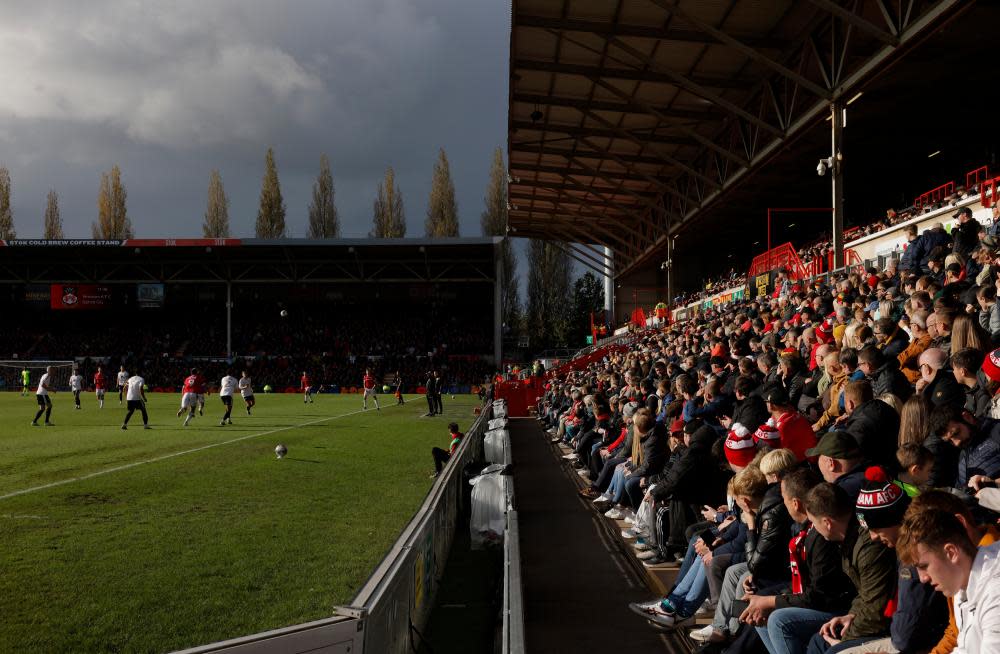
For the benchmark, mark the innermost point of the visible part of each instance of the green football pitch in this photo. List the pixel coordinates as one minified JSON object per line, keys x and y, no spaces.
{"x":155,"y":540}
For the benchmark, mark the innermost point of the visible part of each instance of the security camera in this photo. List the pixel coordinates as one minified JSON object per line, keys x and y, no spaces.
{"x":821,"y":168}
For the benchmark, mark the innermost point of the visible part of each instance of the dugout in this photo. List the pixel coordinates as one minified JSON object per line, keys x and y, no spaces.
{"x":223,"y":283}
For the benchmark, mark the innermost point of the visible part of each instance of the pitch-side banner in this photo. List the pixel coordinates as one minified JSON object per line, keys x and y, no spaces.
{"x":79,"y":296}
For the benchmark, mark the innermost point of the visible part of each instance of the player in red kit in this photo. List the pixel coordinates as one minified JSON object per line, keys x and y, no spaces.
{"x":369,"y":384}
{"x":307,"y":390}
{"x":189,"y":396}
{"x":200,"y":386}
{"x":99,"y":386}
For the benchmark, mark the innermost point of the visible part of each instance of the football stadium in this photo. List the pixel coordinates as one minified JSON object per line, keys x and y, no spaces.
{"x":721,"y":373}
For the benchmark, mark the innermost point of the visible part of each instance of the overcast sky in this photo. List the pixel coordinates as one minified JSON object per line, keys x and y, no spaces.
{"x":171,"y":90}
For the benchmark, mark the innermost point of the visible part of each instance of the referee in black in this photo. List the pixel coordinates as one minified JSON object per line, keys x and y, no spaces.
{"x":431,"y":391}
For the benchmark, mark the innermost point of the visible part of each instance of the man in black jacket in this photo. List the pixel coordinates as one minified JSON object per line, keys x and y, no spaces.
{"x":431,"y":391}
{"x":750,"y":410}
{"x":883,"y":373}
{"x":966,"y":232}
{"x":786,"y":616}
{"x":873,"y":423}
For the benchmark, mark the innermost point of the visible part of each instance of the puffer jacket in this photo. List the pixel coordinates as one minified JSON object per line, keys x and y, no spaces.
{"x":888,"y":379}
{"x":981,"y":456}
{"x":767,"y":542}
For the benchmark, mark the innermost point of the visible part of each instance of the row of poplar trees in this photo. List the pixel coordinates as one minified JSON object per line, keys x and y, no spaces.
{"x":389,"y":220}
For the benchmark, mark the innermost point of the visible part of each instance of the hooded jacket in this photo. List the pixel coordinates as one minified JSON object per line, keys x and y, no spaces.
{"x":977,"y":608}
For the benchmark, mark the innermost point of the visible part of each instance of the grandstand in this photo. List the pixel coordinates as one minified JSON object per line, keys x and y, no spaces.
{"x":794,"y":341}
{"x":401,"y":305}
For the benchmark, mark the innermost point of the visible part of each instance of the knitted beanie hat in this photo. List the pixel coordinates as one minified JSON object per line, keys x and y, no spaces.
{"x":767,"y":435}
{"x":739,"y":446}
{"x":881,"y":502}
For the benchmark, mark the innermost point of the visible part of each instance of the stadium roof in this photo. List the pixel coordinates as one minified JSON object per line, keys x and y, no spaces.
{"x":629,"y":119}
{"x":248,"y":260}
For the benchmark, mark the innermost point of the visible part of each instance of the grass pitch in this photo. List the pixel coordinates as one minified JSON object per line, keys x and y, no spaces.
{"x":155,"y":540}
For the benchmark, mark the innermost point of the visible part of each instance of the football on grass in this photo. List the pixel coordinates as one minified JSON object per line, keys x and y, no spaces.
{"x":385,"y":389}
{"x":280,"y":451}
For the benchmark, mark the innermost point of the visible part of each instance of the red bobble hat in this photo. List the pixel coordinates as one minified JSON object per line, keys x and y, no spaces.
{"x":991,"y":365}
{"x":767,"y":434}
{"x":739,"y":446}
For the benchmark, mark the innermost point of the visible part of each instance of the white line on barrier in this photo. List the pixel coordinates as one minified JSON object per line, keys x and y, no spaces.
{"x":107,"y":471}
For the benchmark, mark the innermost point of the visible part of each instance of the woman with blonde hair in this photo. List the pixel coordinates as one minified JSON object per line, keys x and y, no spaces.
{"x":965,"y":332}
{"x":913,"y":420}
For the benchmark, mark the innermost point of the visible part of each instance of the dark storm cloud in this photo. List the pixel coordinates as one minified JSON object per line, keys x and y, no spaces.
{"x":169,"y":91}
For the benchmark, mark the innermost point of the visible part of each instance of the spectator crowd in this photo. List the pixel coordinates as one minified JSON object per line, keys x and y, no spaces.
{"x":822,"y":464}
{"x":334,"y":345}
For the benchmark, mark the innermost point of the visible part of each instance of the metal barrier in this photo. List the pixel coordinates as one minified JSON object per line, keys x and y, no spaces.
{"x":396,"y":601}
{"x":337,"y":635}
{"x":512,"y":639}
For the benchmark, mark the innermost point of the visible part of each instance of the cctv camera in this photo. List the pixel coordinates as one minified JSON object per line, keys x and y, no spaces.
{"x":821,"y":168}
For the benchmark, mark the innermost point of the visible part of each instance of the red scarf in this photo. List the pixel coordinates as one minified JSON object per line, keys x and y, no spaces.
{"x":797,"y":556}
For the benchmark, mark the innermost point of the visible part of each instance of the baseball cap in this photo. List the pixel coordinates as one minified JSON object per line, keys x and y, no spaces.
{"x":836,"y":445}
{"x":777,"y":396}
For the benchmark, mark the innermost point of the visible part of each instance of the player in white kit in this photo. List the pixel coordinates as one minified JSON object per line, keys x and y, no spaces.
{"x":45,"y":386}
{"x":122,"y":381}
{"x":226,"y":388}
{"x":76,"y":385}
{"x":136,"y":399}
{"x":246,"y":390}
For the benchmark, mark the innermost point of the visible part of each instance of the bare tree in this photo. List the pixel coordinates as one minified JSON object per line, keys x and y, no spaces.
{"x":442,"y":209}
{"x":494,"y":223}
{"x":112,"y":214}
{"x":53,"y":221}
{"x":389,"y":218}
{"x":549,"y":293}
{"x":7,"y":231}
{"x":217,"y":211}
{"x":271,"y":214}
{"x":323,"y":219}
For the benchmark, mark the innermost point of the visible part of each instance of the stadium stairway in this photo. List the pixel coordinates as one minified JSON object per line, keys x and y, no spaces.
{"x":578,"y":574}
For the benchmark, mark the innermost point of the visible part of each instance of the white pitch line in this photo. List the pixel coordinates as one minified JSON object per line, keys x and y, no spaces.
{"x":63,"y":482}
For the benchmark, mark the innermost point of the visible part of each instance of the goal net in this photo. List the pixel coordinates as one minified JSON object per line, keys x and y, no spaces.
{"x":11,"y":374}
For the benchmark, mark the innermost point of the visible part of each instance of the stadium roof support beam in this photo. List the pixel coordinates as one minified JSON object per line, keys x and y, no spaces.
{"x":634,"y":74}
{"x":633,"y":106}
{"x":641,"y":31}
{"x":707,"y":142}
{"x":674,"y":7}
{"x":689,"y":85}
{"x":858,"y":21}
{"x":570,"y":252}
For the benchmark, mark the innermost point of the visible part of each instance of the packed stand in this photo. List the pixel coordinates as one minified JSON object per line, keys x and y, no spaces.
{"x":733,"y":279}
{"x":332,"y":344}
{"x":822,"y":465}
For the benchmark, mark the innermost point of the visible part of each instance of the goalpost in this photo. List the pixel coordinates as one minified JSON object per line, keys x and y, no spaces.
{"x":11,"y":369}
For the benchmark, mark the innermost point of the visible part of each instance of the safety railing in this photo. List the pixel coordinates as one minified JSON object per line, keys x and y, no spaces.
{"x":397,"y":599}
{"x":934,"y":195}
{"x":512,"y":639}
